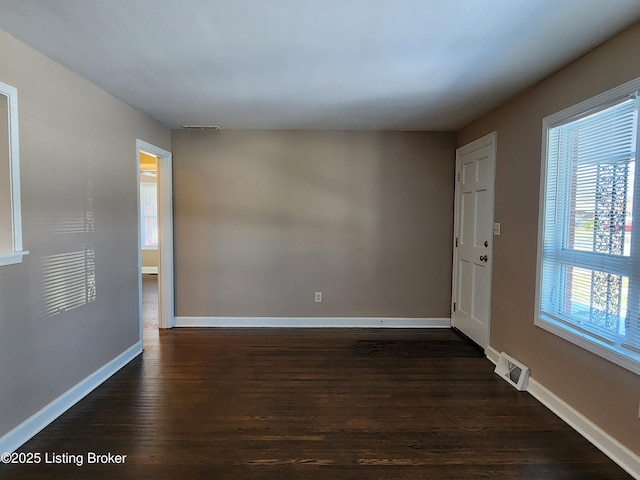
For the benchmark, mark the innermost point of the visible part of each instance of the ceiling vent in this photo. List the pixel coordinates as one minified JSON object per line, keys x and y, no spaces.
{"x":202,"y":127}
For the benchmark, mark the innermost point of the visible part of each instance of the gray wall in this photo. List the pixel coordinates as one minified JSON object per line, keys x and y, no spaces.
{"x":263,"y":219}
{"x":605,"y":393}
{"x":79,"y":204}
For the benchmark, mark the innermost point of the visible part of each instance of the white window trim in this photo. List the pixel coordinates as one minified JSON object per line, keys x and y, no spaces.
{"x":12,"y":258}
{"x":628,"y":358}
{"x":17,"y":253}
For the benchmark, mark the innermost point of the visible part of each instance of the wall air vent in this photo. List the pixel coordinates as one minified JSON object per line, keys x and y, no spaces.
{"x":202,"y":127}
{"x":512,"y":371}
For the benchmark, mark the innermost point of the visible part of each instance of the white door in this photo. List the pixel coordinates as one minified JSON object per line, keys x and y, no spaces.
{"x":473,"y":243}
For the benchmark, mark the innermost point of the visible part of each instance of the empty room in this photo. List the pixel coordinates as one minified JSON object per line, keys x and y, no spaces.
{"x":300,"y":239}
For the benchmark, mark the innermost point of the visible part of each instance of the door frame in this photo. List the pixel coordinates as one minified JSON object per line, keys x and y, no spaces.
{"x":166,"y":314}
{"x":488,"y":140}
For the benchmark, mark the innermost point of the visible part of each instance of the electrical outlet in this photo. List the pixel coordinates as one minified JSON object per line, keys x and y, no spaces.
{"x":318,"y":297}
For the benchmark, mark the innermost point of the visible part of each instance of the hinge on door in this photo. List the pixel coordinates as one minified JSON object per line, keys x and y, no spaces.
{"x":454,"y":306}
{"x":456,"y":241}
{"x":458,"y":176}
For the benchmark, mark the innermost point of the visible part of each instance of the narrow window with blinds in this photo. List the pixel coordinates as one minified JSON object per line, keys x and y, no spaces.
{"x":149,"y":215}
{"x":589,"y":251}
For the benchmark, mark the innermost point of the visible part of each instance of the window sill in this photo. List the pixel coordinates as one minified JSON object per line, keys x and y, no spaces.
{"x":150,"y":248}
{"x":12,"y":258}
{"x":623,"y":357}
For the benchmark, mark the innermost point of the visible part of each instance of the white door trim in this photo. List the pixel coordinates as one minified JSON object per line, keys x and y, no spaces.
{"x":488,"y":140}
{"x":166,"y":316}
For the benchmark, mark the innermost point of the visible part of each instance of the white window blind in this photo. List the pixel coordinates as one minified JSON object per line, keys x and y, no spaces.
{"x":149,"y":215}
{"x":589,"y":271}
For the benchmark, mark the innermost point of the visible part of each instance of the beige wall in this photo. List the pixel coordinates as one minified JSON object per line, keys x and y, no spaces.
{"x":150,"y":258}
{"x":79,"y":203}
{"x":263,"y":219}
{"x":602,"y":391}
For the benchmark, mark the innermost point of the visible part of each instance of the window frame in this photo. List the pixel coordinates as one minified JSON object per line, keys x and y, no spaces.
{"x":625,"y":356}
{"x":16,"y":254}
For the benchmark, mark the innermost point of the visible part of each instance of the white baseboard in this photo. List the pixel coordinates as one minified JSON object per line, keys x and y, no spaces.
{"x":608,"y":445}
{"x":611,"y":447}
{"x":492,"y":354}
{"x":149,"y":270}
{"x":313,"y":322}
{"x":12,"y":440}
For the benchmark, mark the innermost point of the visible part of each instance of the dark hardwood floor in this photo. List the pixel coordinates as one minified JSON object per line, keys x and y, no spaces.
{"x":150,"y":333}
{"x":313,"y":404}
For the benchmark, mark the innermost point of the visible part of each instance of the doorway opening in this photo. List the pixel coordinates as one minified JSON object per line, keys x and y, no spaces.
{"x":149,"y":244}
{"x":155,"y":241}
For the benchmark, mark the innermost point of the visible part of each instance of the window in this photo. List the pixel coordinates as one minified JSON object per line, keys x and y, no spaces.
{"x":149,"y":215}
{"x":589,"y":251}
{"x":10,"y":217}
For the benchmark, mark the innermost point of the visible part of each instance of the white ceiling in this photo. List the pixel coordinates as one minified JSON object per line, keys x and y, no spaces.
{"x":315,"y":64}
